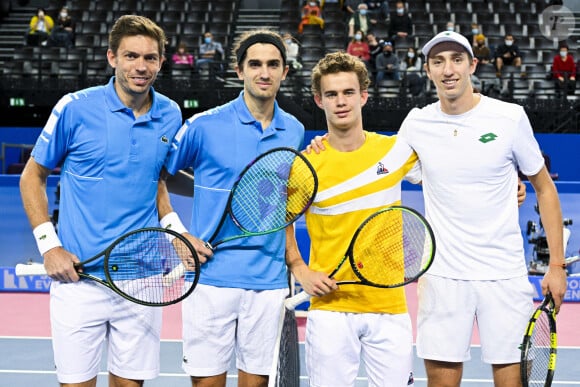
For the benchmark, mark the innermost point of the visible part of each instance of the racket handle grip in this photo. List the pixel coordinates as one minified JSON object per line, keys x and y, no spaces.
{"x":23,"y":269}
{"x":292,"y":302}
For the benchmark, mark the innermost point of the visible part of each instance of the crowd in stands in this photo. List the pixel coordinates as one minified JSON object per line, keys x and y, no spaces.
{"x":507,"y":40}
{"x":75,"y":37}
{"x":387,"y":35}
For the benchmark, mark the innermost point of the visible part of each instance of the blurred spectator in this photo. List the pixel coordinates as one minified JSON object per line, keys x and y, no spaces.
{"x":481,"y":51}
{"x":471,"y":35}
{"x":375,"y":48}
{"x":507,"y":53}
{"x":359,"y":48}
{"x":211,"y":54}
{"x":182,"y":56}
{"x":387,"y":63}
{"x":292,"y":53}
{"x":564,"y":72}
{"x":400,"y":24}
{"x":360,"y":21}
{"x":378,"y":10}
{"x":412,"y":69}
{"x":450,"y":26}
{"x":311,"y":14}
{"x":41,"y":26}
{"x":63,"y":34}
{"x":351,"y":7}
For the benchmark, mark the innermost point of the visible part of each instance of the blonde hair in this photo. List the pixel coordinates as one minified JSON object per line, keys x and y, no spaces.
{"x":337,"y":62}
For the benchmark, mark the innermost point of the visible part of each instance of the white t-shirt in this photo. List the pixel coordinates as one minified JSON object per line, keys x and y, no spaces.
{"x":468,"y":168}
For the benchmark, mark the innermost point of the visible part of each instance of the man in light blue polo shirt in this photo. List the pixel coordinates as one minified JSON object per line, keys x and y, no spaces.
{"x":235,"y":305}
{"x":111,"y":142}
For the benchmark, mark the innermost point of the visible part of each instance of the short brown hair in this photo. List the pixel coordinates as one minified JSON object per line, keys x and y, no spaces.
{"x":132,"y":25}
{"x":337,"y":62}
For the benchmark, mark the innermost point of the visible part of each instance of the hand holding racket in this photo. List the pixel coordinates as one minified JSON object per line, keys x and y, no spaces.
{"x":135,"y":265}
{"x":539,"y":347}
{"x":391,"y":248}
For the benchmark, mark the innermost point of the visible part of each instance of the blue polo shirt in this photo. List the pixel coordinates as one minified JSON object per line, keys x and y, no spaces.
{"x":110,"y":164}
{"x":218,"y":144}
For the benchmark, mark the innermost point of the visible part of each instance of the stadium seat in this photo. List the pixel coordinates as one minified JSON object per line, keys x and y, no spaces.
{"x":178,"y":5}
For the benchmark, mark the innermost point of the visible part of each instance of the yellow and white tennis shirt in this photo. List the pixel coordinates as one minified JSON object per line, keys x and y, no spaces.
{"x":353,"y":185}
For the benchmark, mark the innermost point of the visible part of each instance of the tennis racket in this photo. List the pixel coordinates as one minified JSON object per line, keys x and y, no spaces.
{"x":271,"y":193}
{"x":391,"y":248}
{"x":285,"y":369}
{"x":135,"y":265}
{"x":539,"y":347}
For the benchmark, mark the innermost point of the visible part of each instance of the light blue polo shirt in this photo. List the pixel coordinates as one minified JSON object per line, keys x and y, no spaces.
{"x":218,"y":144}
{"x":110,"y":165}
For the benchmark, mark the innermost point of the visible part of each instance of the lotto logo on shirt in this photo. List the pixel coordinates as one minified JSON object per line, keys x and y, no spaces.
{"x":488,"y":137}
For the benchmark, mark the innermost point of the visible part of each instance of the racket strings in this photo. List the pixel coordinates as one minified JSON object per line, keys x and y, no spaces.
{"x":272,"y":192}
{"x":540,"y":351}
{"x":392,"y":248}
{"x":138,"y":263}
{"x":288,"y":367}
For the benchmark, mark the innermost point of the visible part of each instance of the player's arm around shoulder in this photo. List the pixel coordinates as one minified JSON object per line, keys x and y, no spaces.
{"x":551,"y":213}
{"x":316,"y":144}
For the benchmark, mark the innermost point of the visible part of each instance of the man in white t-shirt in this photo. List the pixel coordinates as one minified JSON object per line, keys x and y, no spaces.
{"x":470,"y":148}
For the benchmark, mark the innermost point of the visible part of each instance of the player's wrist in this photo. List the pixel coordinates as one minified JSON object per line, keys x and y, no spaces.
{"x":556,"y":264}
{"x":46,"y":237}
{"x":172,"y":222}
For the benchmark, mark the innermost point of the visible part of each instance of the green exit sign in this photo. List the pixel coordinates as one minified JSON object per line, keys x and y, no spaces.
{"x":191,"y":103}
{"x":16,"y":101}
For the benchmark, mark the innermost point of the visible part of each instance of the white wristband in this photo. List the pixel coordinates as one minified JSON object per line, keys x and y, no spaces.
{"x":172,"y":222}
{"x":45,"y":237}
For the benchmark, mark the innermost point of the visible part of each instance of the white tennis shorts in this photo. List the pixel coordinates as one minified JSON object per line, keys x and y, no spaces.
{"x":449,"y":308}
{"x":84,"y":316}
{"x":220,"y":321}
{"x":336,"y":342}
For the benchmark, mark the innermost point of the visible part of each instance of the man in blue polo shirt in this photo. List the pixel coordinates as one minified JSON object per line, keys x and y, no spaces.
{"x":235,"y":305}
{"x":111,"y":142}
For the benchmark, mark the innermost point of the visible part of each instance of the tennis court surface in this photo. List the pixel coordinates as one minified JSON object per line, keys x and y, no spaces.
{"x":26,"y":352}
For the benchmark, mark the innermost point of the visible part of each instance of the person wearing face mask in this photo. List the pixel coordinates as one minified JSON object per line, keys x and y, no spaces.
{"x":564,"y":72}
{"x":360,"y":21}
{"x":359,"y":47}
{"x":507,"y":53}
{"x":472,"y":32}
{"x":63,"y":34}
{"x":450,"y":26}
{"x":401,"y":25}
{"x":387,"y":64}
{"x":210,"y":52}
{"x":311,"y":14}
{"x":411,"y":67}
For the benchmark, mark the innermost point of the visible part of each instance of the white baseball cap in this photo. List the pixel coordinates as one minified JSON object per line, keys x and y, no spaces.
{"x":447,"y":36}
